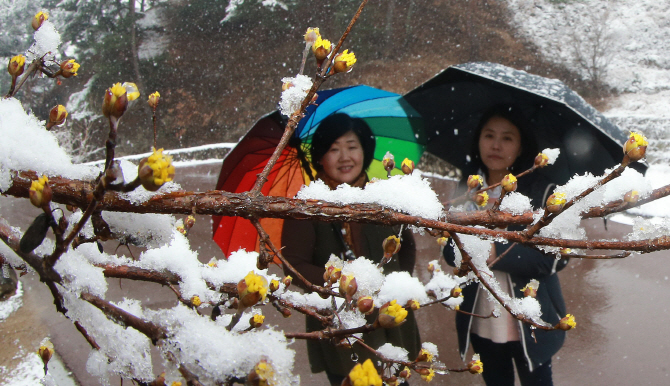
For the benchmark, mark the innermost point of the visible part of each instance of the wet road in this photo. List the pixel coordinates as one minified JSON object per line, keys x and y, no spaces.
{"x":621,"y":307}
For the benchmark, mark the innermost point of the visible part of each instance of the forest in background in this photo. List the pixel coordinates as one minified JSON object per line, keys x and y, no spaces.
{"x":218,"y":70}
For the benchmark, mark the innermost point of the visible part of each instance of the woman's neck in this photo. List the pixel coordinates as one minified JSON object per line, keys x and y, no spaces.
{"x":495,"y":176}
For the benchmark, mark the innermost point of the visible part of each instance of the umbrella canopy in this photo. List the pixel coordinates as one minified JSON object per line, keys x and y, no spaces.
{"x":397,"y":127}
{"x":453,"y":102}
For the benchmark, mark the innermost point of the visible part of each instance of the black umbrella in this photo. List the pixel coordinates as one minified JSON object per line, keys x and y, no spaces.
{"x":453,"y":101}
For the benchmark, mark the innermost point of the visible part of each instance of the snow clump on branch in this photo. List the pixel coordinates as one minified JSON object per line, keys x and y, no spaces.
{"x":295,"y":90}
{"x":410,"y":194}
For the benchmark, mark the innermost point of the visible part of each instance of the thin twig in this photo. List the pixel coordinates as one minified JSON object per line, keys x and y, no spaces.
{"x":468,"y":260}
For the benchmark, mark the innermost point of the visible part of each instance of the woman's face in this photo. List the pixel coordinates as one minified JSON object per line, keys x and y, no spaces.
{"x":343,"y":162}
{"x":499,"y":144}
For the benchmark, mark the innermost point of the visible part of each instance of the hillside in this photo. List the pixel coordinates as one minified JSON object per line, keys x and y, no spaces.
{"x":217,"y":77}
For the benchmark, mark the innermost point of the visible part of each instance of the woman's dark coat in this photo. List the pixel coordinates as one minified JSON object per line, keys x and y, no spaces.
{"x":308,"y":246}
{"x":523,"y":264}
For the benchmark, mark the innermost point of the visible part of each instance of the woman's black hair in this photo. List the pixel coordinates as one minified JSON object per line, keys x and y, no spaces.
{"x":528,"y":145}
{"x":333,"y":127}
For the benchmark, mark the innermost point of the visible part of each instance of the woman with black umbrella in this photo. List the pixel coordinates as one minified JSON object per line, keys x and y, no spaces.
{"x":503,"y":145}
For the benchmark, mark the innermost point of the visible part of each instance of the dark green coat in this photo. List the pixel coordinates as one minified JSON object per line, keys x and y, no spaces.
{"x":308,"y":246}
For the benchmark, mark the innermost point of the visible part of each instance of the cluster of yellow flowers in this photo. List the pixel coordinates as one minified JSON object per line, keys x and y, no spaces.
{"x":567,"y":323}
{"x":555,"y":202}
{"x":262,"y":374}
{"x":475,"y":366}
{"x":322,"y":48}
{"x":40,"y":192}
{"x":156,"y":170}
{"x":391,"y":315}
{"x":252,"y":289}
{"x":365,"y":375}
{"x":16,"y":65}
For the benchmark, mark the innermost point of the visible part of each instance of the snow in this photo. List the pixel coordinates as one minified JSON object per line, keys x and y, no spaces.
{"x":26,"y":145}
{"x":552,"y":155}
{"x":635,"y":59}
{"x":393,"y":193}
{"x":47,"y":40}
{"x":30,"y":372}
{"x":392,"y":352}
{"x":292,"y":97}
{"x":402,"y":287}
{"x":9,"y":306}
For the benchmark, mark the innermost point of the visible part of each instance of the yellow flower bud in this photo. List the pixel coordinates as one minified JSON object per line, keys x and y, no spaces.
{"x":365,"y":305}
{"x":388,"y":161}
{"x":530,"y":290}
{"x":475,"y":366}
{"x":46,"y":351}
{"x":285,"y":312}
{"x":555,"y":202}
{"x":39,"y":18}
{"x":311,"y":36}
{"x":274,"y":285}
{"x":636,"y":146}
{"x":567,"y":323}
{"x":321,"y":49}
{"x":190,"y":221}
{"x":348,"y":285}
{"x":509,"y":183}
{"x":261,"y":375}
{"x":391,"y":314}
{"x":16,"y":65}
{"x":405,"y":373}
{"x":413,"y":305}
{"x":566,"y":251}
{"x":344,"y":61}
{"x":407,"y":166}
{"x":424,"y":356}
{"x":252,"y":289}
{"x":213,"y":262}
{"x":195,"y":300}
{"x":154,"y":99}
{"x":69,"y":68}
{"x":132,"y":92}
{"x":115,"y":102}
{"x":426,"y":374}
{"x":256,"y":320}
{"x":475,"y":181}
{"x":332,"y":274}
{"x":541,"y":160}
{"x":364,"y":375}
{"x":456,"y":292}
{"x":391,"y":245}
{"x":57,"y":116}
{"x":287,"y":281}
{"x":40,"y":192}
{"x":156,"y":170}
{"x":631,"y":196}
{"x":481,"y":199}
{"x":442,"y":241}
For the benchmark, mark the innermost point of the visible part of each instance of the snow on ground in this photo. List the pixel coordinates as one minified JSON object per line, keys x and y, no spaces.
{"x":30,"y":372}
{"x":635,"y":35}
{"x":9,"y":306}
